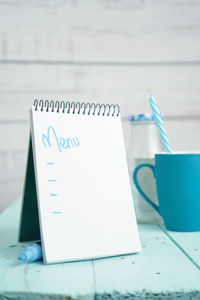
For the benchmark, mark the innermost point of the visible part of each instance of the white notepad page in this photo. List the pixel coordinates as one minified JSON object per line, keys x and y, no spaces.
{"x":84,"y":196}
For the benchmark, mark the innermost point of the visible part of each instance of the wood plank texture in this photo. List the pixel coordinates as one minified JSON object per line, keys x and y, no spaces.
{"x":159,"y":271}
{"x":107,"y":51}
{"x":188,"y":242}
{"x":35,"y":281}
{"x":13,"y":153}
{"x":177,"y":89}
{"x":101,"y":31}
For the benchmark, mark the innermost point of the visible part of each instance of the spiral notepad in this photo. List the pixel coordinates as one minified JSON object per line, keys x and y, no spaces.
{"x":77,"y":196}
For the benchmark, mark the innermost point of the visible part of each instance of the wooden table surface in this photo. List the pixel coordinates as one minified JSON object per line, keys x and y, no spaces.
{"x":167,"y":268}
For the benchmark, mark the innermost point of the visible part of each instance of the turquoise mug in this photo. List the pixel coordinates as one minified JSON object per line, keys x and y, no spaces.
{"x":177,"y":179}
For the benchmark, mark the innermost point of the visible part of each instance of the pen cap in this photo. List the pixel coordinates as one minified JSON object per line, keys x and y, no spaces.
{"x":33,"y":253}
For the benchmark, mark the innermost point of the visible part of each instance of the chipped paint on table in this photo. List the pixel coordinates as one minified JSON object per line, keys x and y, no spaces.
{"x":167,"y":268}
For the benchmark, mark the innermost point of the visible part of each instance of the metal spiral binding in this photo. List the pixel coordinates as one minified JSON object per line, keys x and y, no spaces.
{"x":77,"y":107}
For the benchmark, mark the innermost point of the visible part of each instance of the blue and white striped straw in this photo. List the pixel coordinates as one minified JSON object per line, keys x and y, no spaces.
{"x":160,"y":124}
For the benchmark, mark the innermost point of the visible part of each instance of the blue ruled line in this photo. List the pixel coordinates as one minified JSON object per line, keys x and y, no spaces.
{"x":54,"y":195}
{"x":51,"y":180}
{"x":50,"y":163}
{"x":57,"y":212}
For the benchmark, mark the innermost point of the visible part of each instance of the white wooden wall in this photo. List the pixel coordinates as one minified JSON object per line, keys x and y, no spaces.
{"x":111,"y":51}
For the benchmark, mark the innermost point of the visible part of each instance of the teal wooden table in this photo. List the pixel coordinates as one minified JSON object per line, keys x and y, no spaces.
{"x":167,"y":268}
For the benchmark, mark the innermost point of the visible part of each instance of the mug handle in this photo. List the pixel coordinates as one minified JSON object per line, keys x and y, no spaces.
{"x":156,"y":207}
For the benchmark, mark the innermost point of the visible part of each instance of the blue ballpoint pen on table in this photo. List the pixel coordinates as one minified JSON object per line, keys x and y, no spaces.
{"x":32,"y":253}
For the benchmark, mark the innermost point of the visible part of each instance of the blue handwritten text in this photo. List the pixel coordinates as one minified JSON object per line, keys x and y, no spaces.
{"x":51,"y":139}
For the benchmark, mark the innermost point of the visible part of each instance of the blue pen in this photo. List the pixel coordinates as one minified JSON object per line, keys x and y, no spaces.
{"x":32,"y":253}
